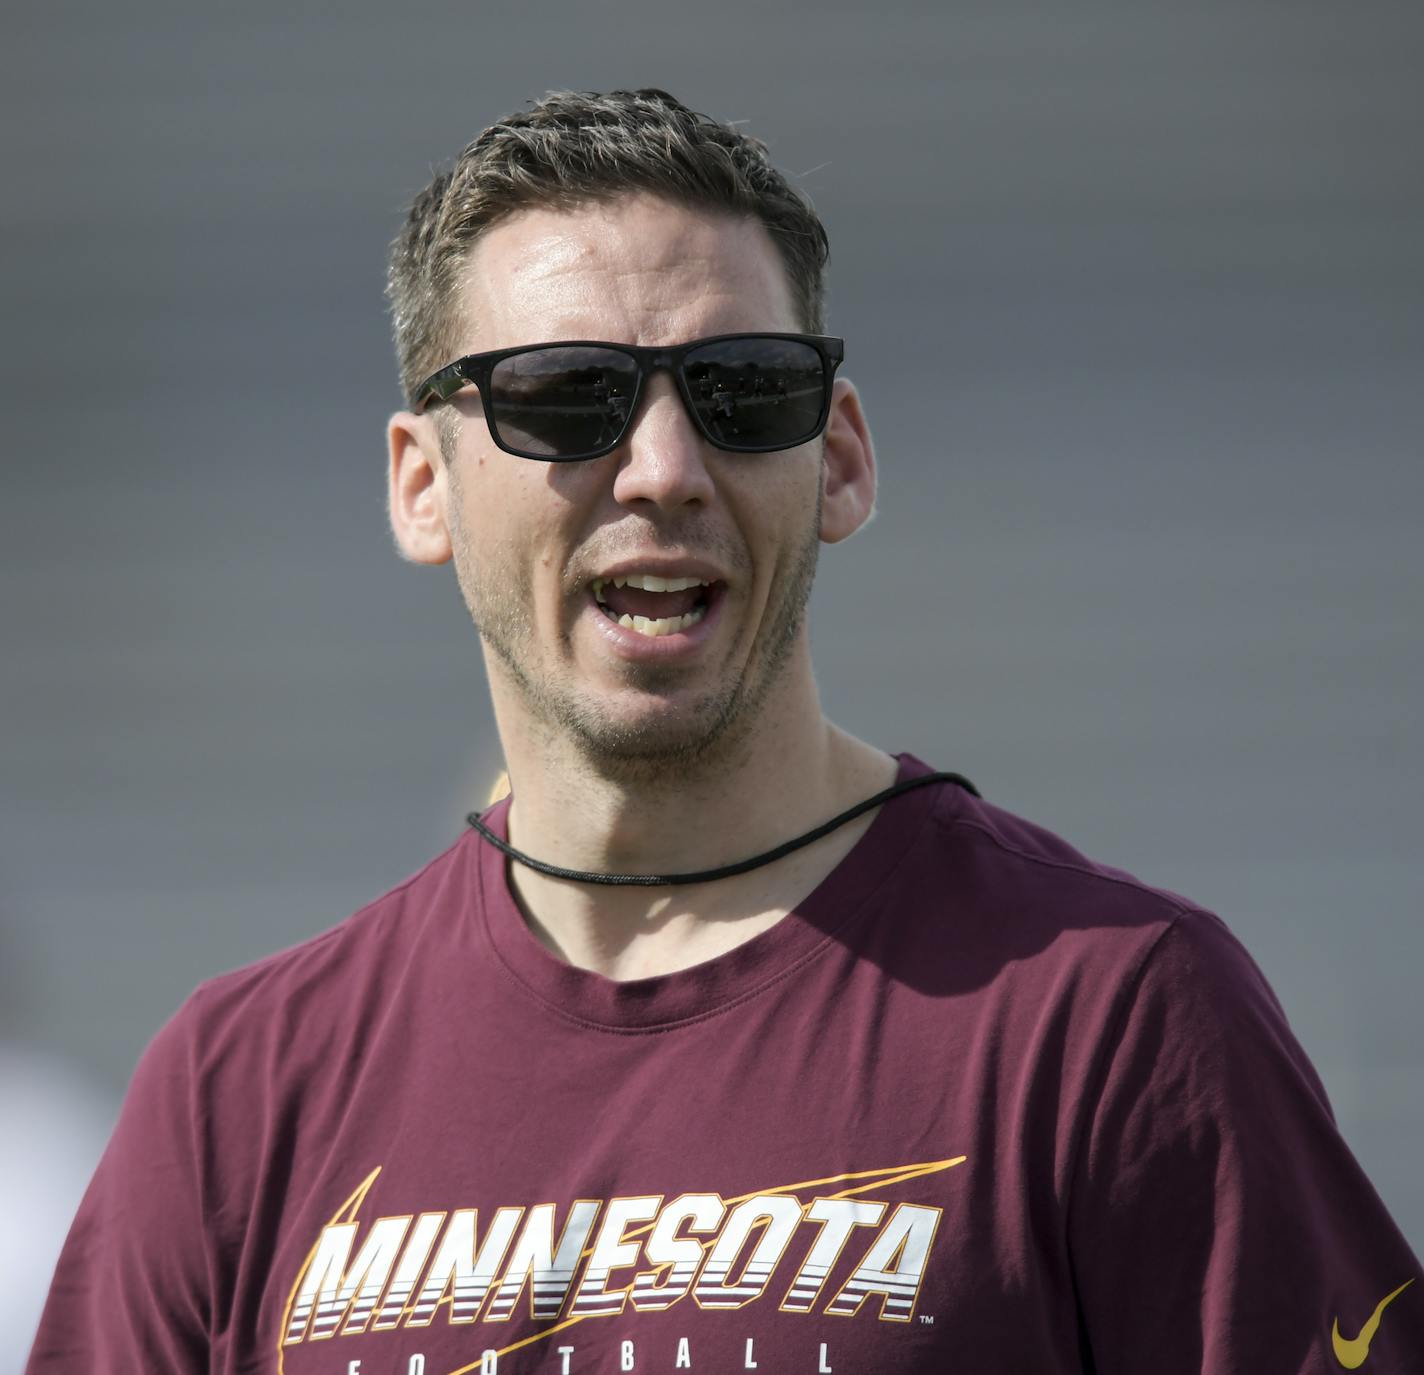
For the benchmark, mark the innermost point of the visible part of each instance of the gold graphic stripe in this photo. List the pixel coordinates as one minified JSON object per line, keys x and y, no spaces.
{"x":908,"y":1172}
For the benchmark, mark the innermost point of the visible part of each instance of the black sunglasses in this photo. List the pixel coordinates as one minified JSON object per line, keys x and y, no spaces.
{"x":564,"y":402}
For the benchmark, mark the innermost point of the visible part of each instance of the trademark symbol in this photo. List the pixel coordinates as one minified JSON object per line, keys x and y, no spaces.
{"x":927,"y":1319}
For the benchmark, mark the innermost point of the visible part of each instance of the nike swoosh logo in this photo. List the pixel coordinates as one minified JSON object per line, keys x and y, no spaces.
{"x":1351,"y":1354}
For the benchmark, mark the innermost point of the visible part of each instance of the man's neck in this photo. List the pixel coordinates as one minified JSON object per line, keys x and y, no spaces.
{"x":795,"y":771}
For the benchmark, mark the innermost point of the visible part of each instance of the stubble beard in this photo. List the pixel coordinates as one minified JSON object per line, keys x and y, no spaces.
{"x":696,"y":736}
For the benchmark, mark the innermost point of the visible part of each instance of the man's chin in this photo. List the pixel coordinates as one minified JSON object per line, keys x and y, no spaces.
{"x":654,"y":732}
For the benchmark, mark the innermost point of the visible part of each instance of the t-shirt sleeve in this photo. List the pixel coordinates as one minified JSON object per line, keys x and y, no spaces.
{"x":131,"y":1289}
{"x":1218,"y":1222}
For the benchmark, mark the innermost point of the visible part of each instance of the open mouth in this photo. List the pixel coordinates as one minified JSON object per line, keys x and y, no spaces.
{"x":653,"y":605}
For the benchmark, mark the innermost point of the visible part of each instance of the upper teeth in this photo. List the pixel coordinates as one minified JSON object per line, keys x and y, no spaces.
{"x":649,"y":582}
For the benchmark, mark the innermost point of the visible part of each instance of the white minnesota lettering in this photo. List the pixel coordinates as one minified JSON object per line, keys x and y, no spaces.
{"x":838,"y":1218}
{"x":401,"y":1275}
{"x":680,"y":1256}
{"x":456,"y":1262}
{"x":329,"y":1283}
{"x":778,"y":1215}
{"x":611,"y":1252}
{"x":549,"y":1271}
{"x":894,"y":1267}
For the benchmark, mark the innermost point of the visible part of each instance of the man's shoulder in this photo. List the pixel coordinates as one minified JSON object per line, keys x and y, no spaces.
{"x":1010,"y":905}
{"x":1006,"y":892}
{"x":344,"y":971}
{"x":1010,"y":853}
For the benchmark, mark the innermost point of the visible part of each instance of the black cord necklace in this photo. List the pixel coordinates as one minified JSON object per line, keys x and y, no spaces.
{"x":727,"y":870}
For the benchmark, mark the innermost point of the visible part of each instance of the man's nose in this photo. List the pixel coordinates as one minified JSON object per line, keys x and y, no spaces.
{"x":662,"y":457}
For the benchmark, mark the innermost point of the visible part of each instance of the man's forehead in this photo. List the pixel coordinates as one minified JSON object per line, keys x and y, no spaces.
{"x":636,"y":263}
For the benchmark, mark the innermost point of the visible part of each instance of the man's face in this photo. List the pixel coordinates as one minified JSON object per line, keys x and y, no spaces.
{"x":537,"y":545}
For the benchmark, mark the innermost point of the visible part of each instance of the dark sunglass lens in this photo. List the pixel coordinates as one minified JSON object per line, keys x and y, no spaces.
{"x":757,"y":393}
{"x":563,"y":401}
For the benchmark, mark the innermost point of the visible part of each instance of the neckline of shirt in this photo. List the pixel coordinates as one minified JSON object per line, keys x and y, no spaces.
{"x":665,"y":1001}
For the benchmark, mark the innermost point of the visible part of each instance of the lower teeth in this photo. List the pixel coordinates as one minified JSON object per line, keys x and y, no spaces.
{"x":663,"y":625}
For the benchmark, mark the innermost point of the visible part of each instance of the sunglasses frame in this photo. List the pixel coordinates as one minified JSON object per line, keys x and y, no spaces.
{"x":476,"y":369}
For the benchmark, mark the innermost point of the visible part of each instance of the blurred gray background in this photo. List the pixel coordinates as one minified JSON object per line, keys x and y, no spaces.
{"x":1134,"y":297}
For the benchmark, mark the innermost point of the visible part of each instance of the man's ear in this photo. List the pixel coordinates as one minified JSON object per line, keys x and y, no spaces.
{"x":848,"y":467}
{"x":416,"y":489}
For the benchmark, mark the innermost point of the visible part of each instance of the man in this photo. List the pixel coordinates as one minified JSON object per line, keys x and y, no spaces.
{"x":652,"y":1070}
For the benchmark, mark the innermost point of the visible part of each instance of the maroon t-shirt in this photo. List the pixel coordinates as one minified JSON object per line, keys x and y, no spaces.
{"x":978,"y":1105}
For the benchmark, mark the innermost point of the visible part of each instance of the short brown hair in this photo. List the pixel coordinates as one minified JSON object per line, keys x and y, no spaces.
{"x":577,"y":147}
